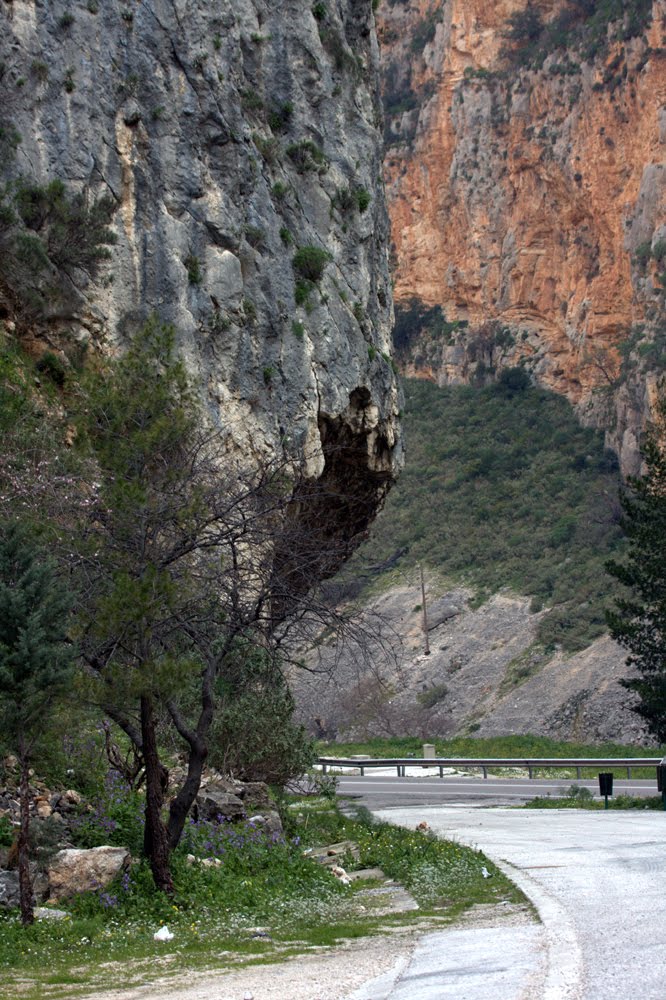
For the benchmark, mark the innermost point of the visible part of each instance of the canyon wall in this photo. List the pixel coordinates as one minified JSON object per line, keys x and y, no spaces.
{"x":226,"y":137}
{"x":528,"y":201}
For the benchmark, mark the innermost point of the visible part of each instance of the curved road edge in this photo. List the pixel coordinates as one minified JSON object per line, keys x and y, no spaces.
{"x":551,"y":963}
{"x":514,"y":963}
{"x":564,"y":962}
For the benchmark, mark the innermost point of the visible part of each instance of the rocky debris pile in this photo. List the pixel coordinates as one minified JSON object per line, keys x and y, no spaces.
{"x":225,"y":799}
{"x":44,"y":803}
{"x":60,"y":869}
{"x":71,"y":871}
{"x":486,"y":674}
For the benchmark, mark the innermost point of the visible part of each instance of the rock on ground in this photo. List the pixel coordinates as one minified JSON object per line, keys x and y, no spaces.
{"x":74,"y":870}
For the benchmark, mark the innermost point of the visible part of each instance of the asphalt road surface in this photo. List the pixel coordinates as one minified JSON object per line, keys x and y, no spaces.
{"x":381,"y":792}
{"x":598,"y":881}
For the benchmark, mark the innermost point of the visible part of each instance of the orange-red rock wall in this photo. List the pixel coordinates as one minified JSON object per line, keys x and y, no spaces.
{"x":522,"y":200}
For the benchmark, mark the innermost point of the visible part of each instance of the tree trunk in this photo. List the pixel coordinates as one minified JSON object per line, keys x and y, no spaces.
{"x":197,"y":741}
{"x":25,"y":886}
{"x":182,"y":803}
{"x":155,"y":839}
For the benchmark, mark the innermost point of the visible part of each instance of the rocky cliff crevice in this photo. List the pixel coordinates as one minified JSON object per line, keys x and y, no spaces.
{"x":528,"y":197}
{"x":228,"y":136}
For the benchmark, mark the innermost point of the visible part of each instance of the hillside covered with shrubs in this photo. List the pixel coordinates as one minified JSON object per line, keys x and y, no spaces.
{"x":503,"y":488}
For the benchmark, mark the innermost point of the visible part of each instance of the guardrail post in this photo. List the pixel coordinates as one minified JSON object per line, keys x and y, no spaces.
{"x":529,"y":772}
{"x":362,"y":771}
{"x":323,"y":768}
{"x":441,"y":771}
{"x":578,"y":772}
{"x":485,"y":771}
{"x":628,"y":772}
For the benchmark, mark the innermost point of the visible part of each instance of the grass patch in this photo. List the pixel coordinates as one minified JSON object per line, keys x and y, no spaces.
{"x":522,"y":667}
{"x":107,"y":939}
{"x":577,"y":801}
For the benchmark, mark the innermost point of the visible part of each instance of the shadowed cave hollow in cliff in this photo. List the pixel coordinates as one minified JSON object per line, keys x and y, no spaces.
{"x":333,"y":513}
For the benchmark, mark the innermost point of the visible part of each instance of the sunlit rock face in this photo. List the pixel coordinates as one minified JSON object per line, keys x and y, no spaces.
{"x":229,"y":135}
{"x":532,"y":201}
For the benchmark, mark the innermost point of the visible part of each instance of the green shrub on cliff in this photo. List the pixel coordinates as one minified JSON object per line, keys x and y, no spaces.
{"x":584,"y":25}
{"x":309,"y":262}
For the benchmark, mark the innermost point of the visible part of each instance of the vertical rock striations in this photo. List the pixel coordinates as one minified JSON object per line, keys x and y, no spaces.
{"x":229,"y":136}
{"x":527,"y":190}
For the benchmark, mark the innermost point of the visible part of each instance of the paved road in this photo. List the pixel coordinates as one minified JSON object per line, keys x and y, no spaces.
{"x":383,"y":792}
{"x":598,"y":881}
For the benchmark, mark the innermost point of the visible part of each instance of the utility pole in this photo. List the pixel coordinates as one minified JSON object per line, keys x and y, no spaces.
{"x":426,"y":644}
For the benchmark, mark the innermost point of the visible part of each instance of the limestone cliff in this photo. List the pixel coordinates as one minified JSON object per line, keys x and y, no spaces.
{"x":227,"y":136}
{"x":528,"y":196}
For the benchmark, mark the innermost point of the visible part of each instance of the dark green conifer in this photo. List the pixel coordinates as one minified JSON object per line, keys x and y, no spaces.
{"x":639,"y":619}
{"x":35,"y":663}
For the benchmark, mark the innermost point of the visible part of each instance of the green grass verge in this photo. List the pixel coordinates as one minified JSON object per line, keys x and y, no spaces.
{"x":106,"y":941}
{"x":575,"y":800}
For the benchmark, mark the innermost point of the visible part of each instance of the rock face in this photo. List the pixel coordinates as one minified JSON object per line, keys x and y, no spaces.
{"x":228,"y":135}
{"x":486,"y":675}
{"x":9,"y":890}
{"x":530,"y":204}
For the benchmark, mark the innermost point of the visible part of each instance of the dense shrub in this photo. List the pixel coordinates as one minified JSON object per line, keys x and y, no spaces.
{"x":413,"y":318}
{"x":512,"y":381}
{"x":273,"y":748}
{"x":73,"y":230}
{"x":307,"y":156}
{"x":45,"y":229}
{"x":309,"y":262}
{"x":51,"y":365}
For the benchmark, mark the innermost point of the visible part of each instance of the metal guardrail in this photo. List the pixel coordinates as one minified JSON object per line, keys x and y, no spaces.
{"x":484,"y":763}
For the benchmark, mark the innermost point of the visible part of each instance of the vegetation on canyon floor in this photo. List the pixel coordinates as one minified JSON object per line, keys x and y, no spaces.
{"x":504,"y":488}
{"x":267,"y":900}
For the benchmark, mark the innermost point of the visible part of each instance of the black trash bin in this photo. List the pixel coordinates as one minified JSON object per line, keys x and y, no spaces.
{"x":606,"y":786}
{"x":606,"y":783}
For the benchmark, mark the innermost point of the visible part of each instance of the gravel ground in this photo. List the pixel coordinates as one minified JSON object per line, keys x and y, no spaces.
{"x":330,"y":974}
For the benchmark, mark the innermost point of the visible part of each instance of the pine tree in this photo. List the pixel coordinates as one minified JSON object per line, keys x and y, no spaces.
{"x":174,"y":569}
{"x":189,"y":556}
{"x":35,"y":663}
{"x":639,"y":620}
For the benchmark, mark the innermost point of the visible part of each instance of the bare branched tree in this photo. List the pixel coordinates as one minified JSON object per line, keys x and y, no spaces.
{"x":183,"y":559}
